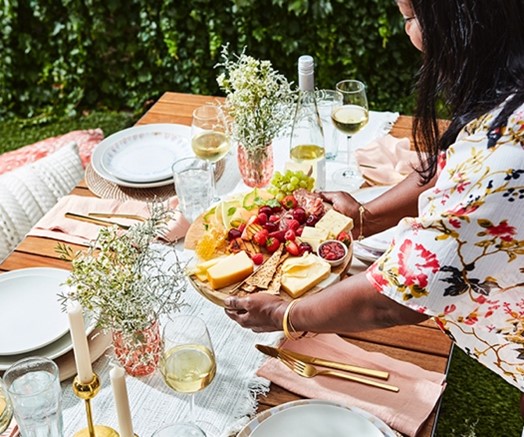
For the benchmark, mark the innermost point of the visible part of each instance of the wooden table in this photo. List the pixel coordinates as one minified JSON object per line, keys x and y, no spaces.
{"x":423,"y":344}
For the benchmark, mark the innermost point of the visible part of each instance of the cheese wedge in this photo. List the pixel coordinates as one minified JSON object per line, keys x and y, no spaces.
{"x":300,"y":274}
{"x":232,"y":269}
{"x":313,"y":236}
{"x":334,"y":223}
{"x":200,"y":269}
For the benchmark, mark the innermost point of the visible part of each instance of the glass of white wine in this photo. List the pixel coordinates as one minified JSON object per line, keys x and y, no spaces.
{"x":188,"y":362}
{"x":349,"y":117}
{"x":209,"y":138}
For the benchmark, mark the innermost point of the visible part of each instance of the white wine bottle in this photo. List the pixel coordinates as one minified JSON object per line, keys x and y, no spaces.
{"x":307,"y":139}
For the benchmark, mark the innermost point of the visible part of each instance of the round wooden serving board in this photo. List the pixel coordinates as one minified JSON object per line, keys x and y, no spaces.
{"x":193,"y":235}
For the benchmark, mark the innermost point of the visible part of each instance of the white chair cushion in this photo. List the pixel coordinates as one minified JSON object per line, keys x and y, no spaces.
{"x":28,"y":192}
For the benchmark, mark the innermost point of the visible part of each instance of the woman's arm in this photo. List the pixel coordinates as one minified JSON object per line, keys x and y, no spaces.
{"x":386,"y":210}
{"x":347,"y":306}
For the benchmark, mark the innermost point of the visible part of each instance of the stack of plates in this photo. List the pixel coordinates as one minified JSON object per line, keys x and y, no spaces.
{"x":142,"y":156}
{"x":31,"y":320}
{"x":371,"y":248}
{"x":316,"y":418}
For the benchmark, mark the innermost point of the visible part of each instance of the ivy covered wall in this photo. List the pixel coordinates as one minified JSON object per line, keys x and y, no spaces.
{"x":61,"y":56}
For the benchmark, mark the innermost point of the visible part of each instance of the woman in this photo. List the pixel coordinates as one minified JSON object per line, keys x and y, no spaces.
{"x":461,"y":259}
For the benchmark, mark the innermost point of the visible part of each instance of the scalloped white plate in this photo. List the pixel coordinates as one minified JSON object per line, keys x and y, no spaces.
{"x":141,"y":156}
{"x":309,"y":417}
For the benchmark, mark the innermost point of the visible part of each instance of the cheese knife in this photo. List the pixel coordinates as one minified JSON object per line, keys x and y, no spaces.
{"x":277,"y":352}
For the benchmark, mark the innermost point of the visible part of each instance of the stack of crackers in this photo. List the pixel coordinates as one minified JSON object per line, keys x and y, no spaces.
{"x":267,"y":278}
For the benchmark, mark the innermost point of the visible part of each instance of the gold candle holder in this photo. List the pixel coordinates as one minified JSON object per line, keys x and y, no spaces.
{"x":87,"y":392}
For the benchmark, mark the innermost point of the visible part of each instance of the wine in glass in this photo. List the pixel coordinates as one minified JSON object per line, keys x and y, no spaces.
{"x":209,"y":138}
{"x":349,"y":117}
{"x":188,"y":362}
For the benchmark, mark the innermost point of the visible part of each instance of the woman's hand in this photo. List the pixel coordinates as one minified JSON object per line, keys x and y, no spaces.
{"x":260,"y":312}
{"x":342,"y":202}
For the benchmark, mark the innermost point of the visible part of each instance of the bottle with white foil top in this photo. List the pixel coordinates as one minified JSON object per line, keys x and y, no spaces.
{"x":307,"y":139}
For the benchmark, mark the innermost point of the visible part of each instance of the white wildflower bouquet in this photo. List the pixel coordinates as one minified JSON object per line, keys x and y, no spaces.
{"x":258,"y":99}
{"x":123,"y":279}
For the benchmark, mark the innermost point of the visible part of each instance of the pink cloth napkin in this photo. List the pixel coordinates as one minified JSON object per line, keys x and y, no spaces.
{"x":405,"y":411}
{"x":387,"y":160}
{"x":55,"y":225}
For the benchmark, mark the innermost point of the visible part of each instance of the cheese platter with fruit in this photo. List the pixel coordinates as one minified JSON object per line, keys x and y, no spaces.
{"x":283,"y":240}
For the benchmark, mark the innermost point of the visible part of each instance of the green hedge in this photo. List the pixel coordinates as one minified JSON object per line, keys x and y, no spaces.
{"x":61,"y":56}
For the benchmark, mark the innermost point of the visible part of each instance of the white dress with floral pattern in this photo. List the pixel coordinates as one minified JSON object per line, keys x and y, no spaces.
{"x":462,"y":259}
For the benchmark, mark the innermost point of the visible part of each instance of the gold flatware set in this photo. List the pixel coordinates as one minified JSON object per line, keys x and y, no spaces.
{"x":303,"y":366}
{"x":101,"y":218}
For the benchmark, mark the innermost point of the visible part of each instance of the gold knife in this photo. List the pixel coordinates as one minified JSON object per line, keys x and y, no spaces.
{"x":96,"y":221}
{"x":277,"y":352}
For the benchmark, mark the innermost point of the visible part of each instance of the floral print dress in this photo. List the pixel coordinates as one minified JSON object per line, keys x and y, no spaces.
{"x":462,"y":259}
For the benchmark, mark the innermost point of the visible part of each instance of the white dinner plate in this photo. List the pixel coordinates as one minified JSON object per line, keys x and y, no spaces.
{"x":367,"y":194}
{"x":54,"y":350}
{"x":141,"y":156}
{"x":31,"y":315}
{"x":318,"y":418}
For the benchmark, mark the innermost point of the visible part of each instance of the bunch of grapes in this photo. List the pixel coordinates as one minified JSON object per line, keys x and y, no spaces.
{"x":285,"y":183}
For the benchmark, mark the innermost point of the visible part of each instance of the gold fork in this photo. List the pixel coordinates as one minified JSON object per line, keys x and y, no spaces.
{"x":309,"y":371}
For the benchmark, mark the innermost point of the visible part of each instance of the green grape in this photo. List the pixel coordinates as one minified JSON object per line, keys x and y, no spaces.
{"x":286,"y":183}
{"x":280,"y":196}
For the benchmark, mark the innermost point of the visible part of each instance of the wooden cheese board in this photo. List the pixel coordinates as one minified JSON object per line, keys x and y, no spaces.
{"x":195,"y":232}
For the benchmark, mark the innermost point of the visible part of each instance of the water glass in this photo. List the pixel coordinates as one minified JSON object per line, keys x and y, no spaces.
{"x":326,"y":99}
{"x":180,"y":430}
{"x":193,"y":186}
{"x":6,"y":410}
{"x":33,"y":386}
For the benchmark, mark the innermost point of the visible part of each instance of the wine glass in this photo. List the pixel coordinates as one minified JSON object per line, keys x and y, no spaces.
{"x":6,"y":409}
{"x":188,"y":362}
{"x":349,"y":117}
{"x":209,"y":138}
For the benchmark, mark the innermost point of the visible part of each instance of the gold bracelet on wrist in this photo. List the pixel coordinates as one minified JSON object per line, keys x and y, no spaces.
{"x":361,"y":211}
{"x":289,"y":331}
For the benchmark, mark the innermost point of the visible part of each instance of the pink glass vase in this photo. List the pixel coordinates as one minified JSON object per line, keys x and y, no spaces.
{"x":139,"y":353}
{"x":256,"y":168}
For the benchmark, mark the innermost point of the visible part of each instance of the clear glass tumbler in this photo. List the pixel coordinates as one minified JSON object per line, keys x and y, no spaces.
{"x":33,"y":385}
{"x":326,"y":100}
{"x":193,"y":186}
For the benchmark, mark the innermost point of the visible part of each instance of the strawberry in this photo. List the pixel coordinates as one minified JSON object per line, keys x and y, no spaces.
{"x":258,"y":258}
{"x":345,"y":238}
{"x":290,"y":235}
{"x":272,"y":244}
{"x":292,"y":248}
{"x":289,"y":202}
{"x":293,"y":224}
{"x":278,"y":235}
{"x":260,"y":237}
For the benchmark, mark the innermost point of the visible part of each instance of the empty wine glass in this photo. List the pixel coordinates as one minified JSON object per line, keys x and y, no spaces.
{"x":188,"y":362}
{"x":349,"y":117}
{"x":209,"y":138}
{"x":179,"y":430}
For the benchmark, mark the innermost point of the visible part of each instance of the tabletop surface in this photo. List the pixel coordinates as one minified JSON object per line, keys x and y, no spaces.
{"x":423,"y":344}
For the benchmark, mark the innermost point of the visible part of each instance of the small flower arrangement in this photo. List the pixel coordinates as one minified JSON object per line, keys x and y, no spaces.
{"x":123,"y":279}
{"x":258,"y":99}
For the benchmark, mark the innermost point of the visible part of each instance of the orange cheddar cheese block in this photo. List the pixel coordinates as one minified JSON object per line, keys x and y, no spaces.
{"x":232,"y":269}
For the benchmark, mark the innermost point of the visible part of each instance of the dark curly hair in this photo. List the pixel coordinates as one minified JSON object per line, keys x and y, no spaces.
{"x":474,"y":60}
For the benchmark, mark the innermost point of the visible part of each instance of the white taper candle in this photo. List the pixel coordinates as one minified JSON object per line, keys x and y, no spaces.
{"x":80,"y":347}
{"x":118,"y":383}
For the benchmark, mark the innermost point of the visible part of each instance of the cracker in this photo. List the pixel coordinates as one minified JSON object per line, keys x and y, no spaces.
{"x":274,"y":285}
{"x":263,"y":276}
